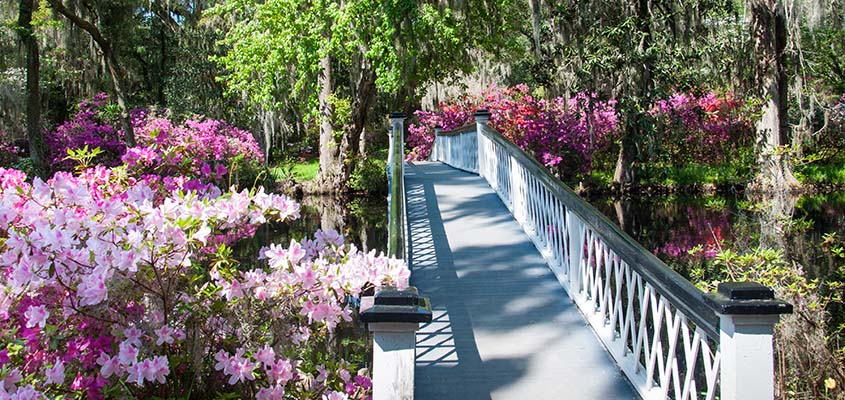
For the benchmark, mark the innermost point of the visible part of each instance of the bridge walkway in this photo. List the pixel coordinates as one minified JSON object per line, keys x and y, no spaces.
{"x":503,"y":326}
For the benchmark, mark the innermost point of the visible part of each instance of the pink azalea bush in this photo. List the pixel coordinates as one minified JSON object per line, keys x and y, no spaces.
{"x":707,"y":128}
{"x":113,"y":287}
{"x":563,"y":134}
{"x":93,"y":126}
{"x":205,"y":149}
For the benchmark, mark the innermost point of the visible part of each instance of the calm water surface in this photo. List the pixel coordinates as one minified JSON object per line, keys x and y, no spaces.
{"x":680,"y":229}
{"x":361,"y":220}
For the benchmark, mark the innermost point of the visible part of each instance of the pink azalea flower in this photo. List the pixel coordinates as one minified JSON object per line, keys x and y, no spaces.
{"x":333,"y":395}
{"x":133,"y":335}
{"x":56,"y":374}
{"x":128,"y":354}
{"x":135,"y":374}
{"x":266,"y":355}
{"x":271,"y":393}
{"x":108,"y":365}
{"x":36,"y":316}
{"x":281,"y":372}
{"x":165,"y":335}
{"x":322,"y":373}
{"x":223,"y":361}
{"x":240,"y":370}
{"x":160,"y":369}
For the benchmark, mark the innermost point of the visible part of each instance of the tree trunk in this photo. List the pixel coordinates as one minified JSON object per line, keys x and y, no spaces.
{"x":354,"y":143}
{"x":643,"y":85}
{"x":112,"y":66}
{"x":330,"y":177}
{"x":536,"y":15}
{"x":624,"y":172}
{"x":777,"y":213}
{"x":622,"y":206}
{"x":33,"y":92}
{"x":768,"y":24}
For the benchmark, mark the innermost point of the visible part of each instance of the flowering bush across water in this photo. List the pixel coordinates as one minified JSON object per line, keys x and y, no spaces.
{"x":564,"y":134}
{"x":569,"y":135}
{"x":116,"y":286}
{"x":707,"y":128}
{"x":204,"y":149}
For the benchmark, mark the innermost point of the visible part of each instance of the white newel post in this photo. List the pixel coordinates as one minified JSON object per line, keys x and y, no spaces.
{"x":576,"y":248}
{"x":435,"y":156}
{"x":748,"y":312}
{"x":482,"y":116}
{"x":397,"y":123}
{"x":393,"y":319}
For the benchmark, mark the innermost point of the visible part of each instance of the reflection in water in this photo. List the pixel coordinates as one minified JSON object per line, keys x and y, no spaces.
{"x":361,"y":220}
{"x":683,"y":230}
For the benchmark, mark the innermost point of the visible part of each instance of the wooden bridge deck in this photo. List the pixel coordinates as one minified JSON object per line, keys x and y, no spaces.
{"x":503,"y":326}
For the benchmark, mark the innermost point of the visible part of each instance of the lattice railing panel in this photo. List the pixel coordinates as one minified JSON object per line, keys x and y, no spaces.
{"x":663,"y":332}
{"x":664,"y":354}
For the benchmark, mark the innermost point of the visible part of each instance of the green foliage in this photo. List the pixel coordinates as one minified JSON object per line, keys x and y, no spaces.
{"x":83,"y":157}
{"x":298,"y":171}
{"x":26,"y":165}
{"x":370,"y":176}
{"x":275,"y":47}
{"x":825,"y":46}
{"x":821,"y":173}
{"x":695,"y":174}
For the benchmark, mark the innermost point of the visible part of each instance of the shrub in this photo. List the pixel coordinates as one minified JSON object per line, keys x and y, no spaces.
{"x":709,"y":128}
{"x":112,"y":286}
{"x":370,"y":176}
{"x":211,"y":150}
{"x":93,"y":125}
{"x":563,"y":134}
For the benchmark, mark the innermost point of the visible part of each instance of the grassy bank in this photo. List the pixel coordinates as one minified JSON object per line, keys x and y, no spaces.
{"x":299,"y":171}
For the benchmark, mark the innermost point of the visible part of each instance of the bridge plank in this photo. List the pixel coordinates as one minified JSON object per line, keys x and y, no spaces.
{"x":503,"y":327}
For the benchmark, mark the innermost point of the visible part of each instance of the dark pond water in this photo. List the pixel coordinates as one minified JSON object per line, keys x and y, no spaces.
{"x":682,"y":230}
{"x":361,"y":220}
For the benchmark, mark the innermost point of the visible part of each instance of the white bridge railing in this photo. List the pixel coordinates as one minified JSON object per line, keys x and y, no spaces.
{"x":669,"y":338}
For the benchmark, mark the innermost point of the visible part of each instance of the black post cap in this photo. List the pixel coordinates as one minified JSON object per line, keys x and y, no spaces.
{"x":394,"y":305}
{"x":746,"y":298}
{"x":397,"y":114}
{"x":438,"y":127}
{"x":481,"y":112}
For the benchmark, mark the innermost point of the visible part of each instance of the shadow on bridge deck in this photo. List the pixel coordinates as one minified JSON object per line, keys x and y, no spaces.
{"x":503,"y":326}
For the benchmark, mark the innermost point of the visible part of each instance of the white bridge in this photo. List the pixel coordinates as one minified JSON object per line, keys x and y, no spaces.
{"x":537,"y":295}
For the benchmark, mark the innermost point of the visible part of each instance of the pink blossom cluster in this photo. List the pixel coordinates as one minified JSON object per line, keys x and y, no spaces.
{"x":91,"y":126}
{"x":201,"y":149}
{"x":110,"y":288}
{"x":561,"y":133}
{"x":700,"y":128}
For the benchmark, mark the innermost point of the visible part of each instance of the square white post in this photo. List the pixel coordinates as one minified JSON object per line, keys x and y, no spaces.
{"x":394,"y":319}
{"x":482,"y":117}
{"x":748,"y":312}
{"x":394,"y":349}
{"x":434,"y":155}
